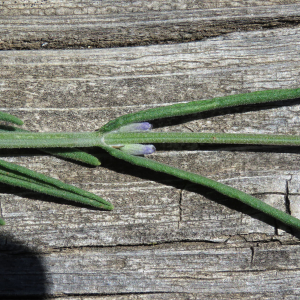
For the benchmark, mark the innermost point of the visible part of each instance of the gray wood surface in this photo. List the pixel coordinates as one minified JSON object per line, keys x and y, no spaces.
{"x":83,"y":24}
{"x":166,"y":239}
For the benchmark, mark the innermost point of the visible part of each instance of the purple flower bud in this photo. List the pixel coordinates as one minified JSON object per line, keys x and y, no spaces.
{"x":135,"y":127}
{"x":138,"y":149}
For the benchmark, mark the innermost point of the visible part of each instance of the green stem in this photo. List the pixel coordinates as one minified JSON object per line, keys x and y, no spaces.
{"x":116,"y":138}
{"x":90,"y":139}
{"x":49,"y":139}
{"x":181,"y":109}
{"x":221,"y":188}
{"x":69,"y":153}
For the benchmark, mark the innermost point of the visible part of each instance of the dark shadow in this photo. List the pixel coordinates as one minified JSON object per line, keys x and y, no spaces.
{"x":22,"y":274}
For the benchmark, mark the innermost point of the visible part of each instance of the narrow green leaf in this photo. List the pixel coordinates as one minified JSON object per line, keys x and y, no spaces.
{"x":198,"y":179}
{"x":22,"y":177}
{"x":192,"y":107}
{"x":52,"y":191}
{"x":22,"y":173}
{"x":10,"y":118}
{"x":73,"y":154}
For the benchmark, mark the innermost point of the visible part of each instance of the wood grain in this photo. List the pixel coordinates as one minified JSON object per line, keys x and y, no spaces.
{"x":193,"y":268}
{"x":83,"y":24}
{"x":137,"y":76}
{"x":166,"y":239}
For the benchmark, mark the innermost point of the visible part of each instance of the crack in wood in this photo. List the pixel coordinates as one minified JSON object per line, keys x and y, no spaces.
{"x":252,"y":256}
{"x":184,"y":243}
{"x":180,"y":205}
{"x":287,"y":201}
{"x":286,"y":197}
{"x":115,"y":40}
{"x":1,"y":210}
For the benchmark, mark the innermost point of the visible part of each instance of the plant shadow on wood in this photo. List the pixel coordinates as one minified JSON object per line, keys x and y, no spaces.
{"x":22,"y":274}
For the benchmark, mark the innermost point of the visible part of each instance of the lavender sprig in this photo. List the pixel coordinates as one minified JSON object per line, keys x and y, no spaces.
{"x":126,"y":136}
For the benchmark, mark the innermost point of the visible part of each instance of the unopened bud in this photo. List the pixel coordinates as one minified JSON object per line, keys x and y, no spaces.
{"x":138,"y":149}
{"x":135,"y":127}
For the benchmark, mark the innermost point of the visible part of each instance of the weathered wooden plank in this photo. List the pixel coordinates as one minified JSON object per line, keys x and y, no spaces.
{"x":76,"y":24}
{"x":83,"y":89}
{"x":205,"y":269}
{"x":50,"y":91}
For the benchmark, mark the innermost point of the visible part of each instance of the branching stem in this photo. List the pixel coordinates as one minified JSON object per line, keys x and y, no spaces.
{"x":48,"y":139}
